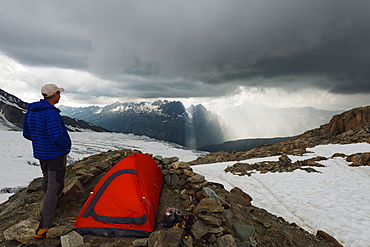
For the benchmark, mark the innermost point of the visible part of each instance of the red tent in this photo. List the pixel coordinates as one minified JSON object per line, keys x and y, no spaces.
{"x":125,"y":201}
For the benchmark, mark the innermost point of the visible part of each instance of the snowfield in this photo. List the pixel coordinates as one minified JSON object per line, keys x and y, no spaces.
{"x":20,"y":168}
{"x":335,"y":199}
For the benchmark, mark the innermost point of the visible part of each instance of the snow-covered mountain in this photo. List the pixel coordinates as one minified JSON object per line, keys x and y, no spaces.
{"x":200,"y":126}
{"x":163,"y":120}
{"x":12,"y":111}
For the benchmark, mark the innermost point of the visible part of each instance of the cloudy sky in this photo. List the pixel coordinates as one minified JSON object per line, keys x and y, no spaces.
{"x":279,"y":53}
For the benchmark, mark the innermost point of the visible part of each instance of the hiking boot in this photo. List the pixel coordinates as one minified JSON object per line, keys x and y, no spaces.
{"x":41,"y":233}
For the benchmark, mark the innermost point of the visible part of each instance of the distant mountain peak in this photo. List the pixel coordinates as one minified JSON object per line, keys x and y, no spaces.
{"x":12,"y":111}
{"x":161,"y":119}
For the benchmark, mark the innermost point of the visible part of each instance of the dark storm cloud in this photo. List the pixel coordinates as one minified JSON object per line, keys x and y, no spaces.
{"x":224,"y":44}
{"x":36,"y":34}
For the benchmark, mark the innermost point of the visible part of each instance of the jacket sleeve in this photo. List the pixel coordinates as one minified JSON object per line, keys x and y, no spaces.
{"x":26,"y":130}
{"x":57,"y":130}
{"x":64,"y":141}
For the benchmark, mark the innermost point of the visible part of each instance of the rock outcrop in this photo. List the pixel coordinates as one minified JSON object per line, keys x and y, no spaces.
{"x":353,"y":120}
{"x":349,"y":127}
{"x":283,"y":165}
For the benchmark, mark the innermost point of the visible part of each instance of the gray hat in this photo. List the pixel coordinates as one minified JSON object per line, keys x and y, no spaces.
{"x":49,"y":89}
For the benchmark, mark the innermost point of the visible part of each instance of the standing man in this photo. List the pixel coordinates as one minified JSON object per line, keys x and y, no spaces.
{"x":44,"y":126}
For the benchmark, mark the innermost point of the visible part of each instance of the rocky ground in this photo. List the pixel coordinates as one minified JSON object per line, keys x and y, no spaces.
{"x":221,"y":218}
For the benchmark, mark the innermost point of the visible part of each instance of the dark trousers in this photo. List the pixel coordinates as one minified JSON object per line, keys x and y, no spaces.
{"x":52,"y":184}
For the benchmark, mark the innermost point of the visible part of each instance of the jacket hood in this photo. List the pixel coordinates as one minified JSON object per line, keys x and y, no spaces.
{"x":41,"y":105}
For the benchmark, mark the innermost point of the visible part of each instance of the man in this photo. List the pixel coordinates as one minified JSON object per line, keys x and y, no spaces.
{"x":51,"y":144}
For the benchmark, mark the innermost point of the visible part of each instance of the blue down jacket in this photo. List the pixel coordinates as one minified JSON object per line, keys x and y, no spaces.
{"x":44,"y":126}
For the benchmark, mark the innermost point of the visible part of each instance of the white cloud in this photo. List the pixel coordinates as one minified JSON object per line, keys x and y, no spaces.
{"x":84,"y":88}
{"x":205,"y":43}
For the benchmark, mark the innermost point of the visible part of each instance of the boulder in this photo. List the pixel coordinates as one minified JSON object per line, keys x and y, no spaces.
{"x":170,"y":238}
{"x":22,"y":232}
{"x":72,"y":239}
{"x":226,"y":241}
{"x":360,"y":159}
{"x":142,"y":242}
{"x":199,"y":229}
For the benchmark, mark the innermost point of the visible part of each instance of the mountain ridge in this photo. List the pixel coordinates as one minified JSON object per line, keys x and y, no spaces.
{"x":161,"y":119}
{"x":194,"y":127}
{"x":13,"y":109}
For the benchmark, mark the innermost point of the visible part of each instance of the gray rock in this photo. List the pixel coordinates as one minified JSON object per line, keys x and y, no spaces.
{"x":175,"y":171}
{"x":174,"y":159}
{"x":196,"y":179}
{"x":208,"y":205}
{"x":184,"y":165}
{"x":103,"y":166}
{"x":189,"y":173}
{"x":35,"y":185}
{"x":210,"y":220}
{"x":174,"y":236}
{"x":188,"y":241}
{"x":115,"y":157}
{"x":84,"y":245}
{"x":165,"y":172}
{"x":74,"y":188}
{"x":167,"y":179}
{"x":215,"y":230}
{"x":199,"y":229}
{"x":13,"y":205}
{"x":243,"y":231}
{"x":159,"y":158}
{"x":107,"y":245}
{"x":285,"y":159}
{"x":175,"y":181}
{"x":199,"y":186}
{"x":157,"y":238}
{"x":58,"y":231}
{"x":22,"y":232}
{"x":140,"y":242}
{"x":226,"y":241}
{"x":72,"y":239}
{"x":208,"y":192}
{"x":175,"y":165}
{"x":167,"y":161}
{"x":212,"y":239}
